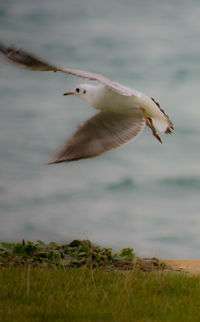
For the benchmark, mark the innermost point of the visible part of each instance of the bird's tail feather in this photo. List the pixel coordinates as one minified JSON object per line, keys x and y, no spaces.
{"x":163,"y":125}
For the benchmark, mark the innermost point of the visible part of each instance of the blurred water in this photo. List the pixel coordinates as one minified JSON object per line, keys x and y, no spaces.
{"x":143,"y":195}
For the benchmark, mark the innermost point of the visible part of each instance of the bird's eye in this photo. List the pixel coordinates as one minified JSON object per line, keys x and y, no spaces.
{"x":84,"y":92}
{"x":77,"y":90}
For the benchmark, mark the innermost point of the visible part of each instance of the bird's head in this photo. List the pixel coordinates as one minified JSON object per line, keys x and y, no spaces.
{"x":82,"y":91}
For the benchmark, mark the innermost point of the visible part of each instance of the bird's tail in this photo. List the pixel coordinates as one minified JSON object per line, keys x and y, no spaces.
{"x":163,"y":125}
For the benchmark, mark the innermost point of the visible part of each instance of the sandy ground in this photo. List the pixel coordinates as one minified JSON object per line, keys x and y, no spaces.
{"x":191,"y":266}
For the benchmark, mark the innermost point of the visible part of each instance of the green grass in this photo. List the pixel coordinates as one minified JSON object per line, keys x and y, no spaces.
{"x":83,"y":294}
{"x":81,"y":281}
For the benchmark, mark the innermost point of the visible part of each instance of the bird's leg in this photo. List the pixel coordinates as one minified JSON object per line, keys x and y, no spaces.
{"x":149,"y":123}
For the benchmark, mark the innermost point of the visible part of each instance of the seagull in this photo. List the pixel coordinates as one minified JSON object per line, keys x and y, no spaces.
{"x":122,"y":114}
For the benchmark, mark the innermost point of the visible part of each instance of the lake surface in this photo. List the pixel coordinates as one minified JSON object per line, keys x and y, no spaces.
{"x":144,"y":195}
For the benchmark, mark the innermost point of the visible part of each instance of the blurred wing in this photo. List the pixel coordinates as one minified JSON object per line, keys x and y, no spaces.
{"x":101,"y":133}
{"x":26,"y":60}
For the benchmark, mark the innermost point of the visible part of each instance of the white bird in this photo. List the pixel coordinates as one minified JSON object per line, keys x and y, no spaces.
{"x":123,"y":112}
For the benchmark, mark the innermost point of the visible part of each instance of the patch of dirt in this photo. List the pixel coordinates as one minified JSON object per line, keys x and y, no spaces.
{"x":190,"y":266}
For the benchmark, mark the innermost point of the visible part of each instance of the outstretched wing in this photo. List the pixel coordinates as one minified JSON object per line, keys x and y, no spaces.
{"x":101,"y":133}
{"x":27,"y":60}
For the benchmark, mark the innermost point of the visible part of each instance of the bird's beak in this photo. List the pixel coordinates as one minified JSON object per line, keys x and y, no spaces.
{"x":68,"y":93}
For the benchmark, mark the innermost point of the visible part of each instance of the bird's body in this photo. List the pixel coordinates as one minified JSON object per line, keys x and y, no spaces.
{"x":103,"y":98}
{"x":123,"y":112}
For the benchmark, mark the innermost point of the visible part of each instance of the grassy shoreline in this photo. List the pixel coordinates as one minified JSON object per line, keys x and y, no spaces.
{"x":84,"y":282}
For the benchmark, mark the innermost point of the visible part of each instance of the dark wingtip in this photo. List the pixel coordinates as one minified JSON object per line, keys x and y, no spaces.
{"x":56,"y":161}
{"x":170,"y":128}
{"x":27,"y":60}
{"x":3,"y":49}
{"x":168,"y":131}
{"x":69,"y":159}
{"x":51,"y":162}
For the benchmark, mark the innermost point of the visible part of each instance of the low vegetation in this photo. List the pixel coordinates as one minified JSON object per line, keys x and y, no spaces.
{"x":75,"y":254}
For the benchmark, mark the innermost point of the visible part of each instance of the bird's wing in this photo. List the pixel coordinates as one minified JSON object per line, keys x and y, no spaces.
{"x":101,"y":133}
{"x":27,"y":60}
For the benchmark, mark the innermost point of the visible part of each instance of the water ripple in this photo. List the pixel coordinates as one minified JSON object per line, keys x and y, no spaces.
{"x":191,"y":182}
{"x":125,"y":183}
